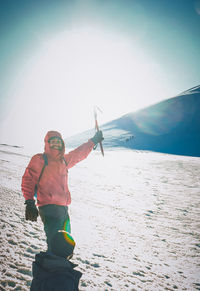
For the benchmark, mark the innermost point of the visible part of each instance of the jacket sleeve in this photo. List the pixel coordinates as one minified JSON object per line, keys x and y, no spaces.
{"x":79,"y":154}
{"x":31,"y":175}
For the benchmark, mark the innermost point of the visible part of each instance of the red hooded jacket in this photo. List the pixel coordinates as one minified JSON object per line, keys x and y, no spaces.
{"x":53,"y":185}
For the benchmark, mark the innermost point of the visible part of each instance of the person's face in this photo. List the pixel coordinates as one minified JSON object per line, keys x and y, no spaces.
{"x":56,"y":143}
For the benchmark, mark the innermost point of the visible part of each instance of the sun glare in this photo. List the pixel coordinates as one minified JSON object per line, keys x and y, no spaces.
{"x":84,"y":67}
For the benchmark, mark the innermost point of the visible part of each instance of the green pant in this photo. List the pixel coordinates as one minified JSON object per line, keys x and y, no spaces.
{"x":54,"y":218}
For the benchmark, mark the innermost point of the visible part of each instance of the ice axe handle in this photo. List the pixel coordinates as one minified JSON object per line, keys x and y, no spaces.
{"x":100,"y":143}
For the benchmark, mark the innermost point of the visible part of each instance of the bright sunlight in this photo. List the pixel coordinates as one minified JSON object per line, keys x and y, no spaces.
{"x":81,"y":68}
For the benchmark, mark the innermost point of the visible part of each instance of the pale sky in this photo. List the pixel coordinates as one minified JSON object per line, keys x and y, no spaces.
{"x":60,"y":58}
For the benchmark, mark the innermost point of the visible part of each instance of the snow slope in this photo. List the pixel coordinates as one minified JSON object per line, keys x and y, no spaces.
{"x":171,"y":126}
{"x":135,"y":219}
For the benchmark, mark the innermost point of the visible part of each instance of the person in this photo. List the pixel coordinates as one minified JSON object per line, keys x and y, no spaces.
{"x":48,"y":174}
{"x":55,"y":272}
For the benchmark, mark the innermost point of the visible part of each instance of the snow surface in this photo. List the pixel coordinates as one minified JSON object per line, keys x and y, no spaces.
{"x":134,"y":214}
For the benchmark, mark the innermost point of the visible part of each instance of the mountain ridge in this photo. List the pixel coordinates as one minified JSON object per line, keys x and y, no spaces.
{"x":171,"y":126}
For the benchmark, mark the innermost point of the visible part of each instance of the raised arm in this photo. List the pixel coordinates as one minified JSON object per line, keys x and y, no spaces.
{"x":79,"y":154}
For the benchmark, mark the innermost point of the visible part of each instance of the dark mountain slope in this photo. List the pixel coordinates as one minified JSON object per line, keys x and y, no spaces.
{"x":171,"y":126}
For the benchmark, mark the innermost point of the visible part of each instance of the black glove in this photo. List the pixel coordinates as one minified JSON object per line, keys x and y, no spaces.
{"x":97,"y":137}
{"x":31,"y":212}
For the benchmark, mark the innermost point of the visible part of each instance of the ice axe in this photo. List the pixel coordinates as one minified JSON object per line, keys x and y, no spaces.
{"x":97,"y":126}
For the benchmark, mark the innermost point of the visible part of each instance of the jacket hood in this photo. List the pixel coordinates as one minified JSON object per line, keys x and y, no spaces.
{"x":53,"y":152}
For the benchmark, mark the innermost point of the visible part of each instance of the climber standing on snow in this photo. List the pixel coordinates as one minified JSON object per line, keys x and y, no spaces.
{"x":47,"y":174}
